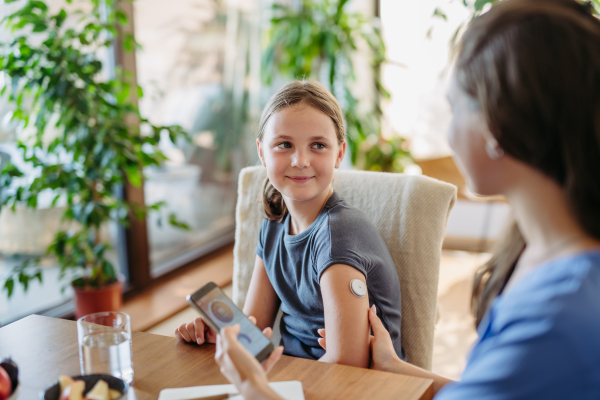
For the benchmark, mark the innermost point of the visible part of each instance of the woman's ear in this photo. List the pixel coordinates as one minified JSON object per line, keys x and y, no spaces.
{"x":341,"y":153}
{"x":259,"y":150}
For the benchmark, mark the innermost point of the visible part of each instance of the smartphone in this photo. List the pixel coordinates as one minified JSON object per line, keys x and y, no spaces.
{"x":218,"y":311}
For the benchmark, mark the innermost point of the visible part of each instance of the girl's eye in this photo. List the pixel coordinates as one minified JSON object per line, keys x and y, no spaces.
{"x":285,"y":145}
{"x":318,"y":146}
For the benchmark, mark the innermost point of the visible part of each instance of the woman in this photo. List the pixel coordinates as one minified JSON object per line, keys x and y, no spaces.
{"x":526,"y":125}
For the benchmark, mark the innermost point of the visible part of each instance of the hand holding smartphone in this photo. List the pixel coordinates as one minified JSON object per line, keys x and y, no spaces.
{"x":218,"y":311}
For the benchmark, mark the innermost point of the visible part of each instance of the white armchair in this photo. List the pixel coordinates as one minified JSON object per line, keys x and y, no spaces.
{"x":410,"y":213}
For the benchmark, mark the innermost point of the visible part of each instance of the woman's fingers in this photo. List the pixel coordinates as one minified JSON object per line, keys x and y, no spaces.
{"x":272,"y":359}
{"x":322,"y":343}
{"x":230,"y":334}
{"x":252,"y":319}
{"x":268,"y":332}
{"x":376,"y":324}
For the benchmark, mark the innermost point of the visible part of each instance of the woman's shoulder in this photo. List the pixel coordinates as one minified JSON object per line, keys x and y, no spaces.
{"x":566,"y":279}
{"x":556,"y":300}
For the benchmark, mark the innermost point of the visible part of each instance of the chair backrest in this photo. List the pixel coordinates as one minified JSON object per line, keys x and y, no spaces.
{"x":410,"y":213}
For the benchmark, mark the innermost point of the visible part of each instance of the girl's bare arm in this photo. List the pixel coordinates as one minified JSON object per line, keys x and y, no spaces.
{"x":262,"y":301}
{"x":346,"y":318}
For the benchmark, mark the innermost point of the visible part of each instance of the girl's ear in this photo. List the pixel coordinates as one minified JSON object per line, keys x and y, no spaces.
{"x":259,"y":150}
{"x":341,"y":154}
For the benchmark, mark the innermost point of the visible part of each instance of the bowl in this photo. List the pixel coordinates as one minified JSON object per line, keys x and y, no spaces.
{"x":53,"y":392}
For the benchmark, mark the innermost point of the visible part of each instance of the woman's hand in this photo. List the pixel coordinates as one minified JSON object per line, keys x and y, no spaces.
{"x":196,"y":331}
{"x":241,"y":368}
{"x":383,"y":354}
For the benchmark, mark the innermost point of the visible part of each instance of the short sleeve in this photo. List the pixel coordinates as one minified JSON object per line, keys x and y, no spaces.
{"x":260,"y":246}
{"x":340,"y":246}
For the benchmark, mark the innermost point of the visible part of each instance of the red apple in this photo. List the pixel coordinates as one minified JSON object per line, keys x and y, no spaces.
{"x":5,"y":384}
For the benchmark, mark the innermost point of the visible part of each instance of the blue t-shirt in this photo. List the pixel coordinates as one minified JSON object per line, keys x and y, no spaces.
{"x":540,"y":340}
{"x":341,"y":234}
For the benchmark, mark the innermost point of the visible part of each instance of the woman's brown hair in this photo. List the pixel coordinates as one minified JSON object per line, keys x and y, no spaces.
{"x":533,"y":67}
{"x":309,"y":93}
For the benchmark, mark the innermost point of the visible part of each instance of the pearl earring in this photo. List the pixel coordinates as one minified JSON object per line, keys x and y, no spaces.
{"x":494,"y":150}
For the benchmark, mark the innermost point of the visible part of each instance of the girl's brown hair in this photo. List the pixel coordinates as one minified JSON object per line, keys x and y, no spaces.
{"x":308,"y":93}
{"x":533,"y":67}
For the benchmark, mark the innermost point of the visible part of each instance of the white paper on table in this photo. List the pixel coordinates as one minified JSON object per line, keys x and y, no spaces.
{"x":289,"y":390}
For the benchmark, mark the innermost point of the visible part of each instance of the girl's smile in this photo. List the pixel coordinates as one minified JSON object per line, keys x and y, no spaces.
{"x":300,"y":179}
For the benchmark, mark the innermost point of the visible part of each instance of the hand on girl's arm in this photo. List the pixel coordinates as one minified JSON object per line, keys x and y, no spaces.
{"x":346,"y":318}
{"x":384,"y":357}
{"x":242,"y":369}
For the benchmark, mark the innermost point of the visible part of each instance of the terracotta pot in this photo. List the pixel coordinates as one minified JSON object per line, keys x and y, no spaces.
{"x":89,"y":301}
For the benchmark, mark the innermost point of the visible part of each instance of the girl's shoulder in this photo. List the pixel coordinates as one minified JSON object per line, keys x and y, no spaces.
{"x":347,"y":228}
{"x":344,"y":217}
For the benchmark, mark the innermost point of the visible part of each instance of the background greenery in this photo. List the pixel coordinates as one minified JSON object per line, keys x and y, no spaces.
{"x":320,"y":39}
{"x":85,"y":140}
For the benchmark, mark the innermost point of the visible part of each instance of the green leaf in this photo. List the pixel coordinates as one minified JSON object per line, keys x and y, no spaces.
{"x":440,"y":14}
{"x":108,"y":270}
{"x":24,"y":280}
{"x":479,"y":4}
{"x":178,"y":224}
{"x":133,"y":175}
{"x":9,"y":284}
{"x":60,"y":18}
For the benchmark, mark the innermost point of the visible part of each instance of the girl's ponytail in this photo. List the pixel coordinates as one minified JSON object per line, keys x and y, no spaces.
{"x":273,"y":203}
{"x":311,"y":94}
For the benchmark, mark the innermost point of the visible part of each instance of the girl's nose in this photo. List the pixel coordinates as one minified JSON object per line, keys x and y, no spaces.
{"x":300,"y":160}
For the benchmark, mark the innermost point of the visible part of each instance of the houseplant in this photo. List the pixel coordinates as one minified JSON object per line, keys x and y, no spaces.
{"x":85,"y":139}
{"x":319,"y":39}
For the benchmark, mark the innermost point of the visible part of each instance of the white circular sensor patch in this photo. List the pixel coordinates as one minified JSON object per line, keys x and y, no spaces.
{"x":358,"y":288}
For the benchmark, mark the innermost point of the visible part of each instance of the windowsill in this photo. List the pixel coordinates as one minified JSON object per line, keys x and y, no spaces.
{"x":167,"y":297}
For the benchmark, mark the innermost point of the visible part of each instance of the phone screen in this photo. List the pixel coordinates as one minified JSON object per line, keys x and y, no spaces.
{"x":222,"y":312}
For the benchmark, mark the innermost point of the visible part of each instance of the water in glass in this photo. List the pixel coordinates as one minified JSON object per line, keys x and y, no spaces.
{"x":105,"y":344}
{"x":107,"y":352}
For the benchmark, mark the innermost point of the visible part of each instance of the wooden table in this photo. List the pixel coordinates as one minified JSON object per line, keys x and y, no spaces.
{"x":45,"y":348}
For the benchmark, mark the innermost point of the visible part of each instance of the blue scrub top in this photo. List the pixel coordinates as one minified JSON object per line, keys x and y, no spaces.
{"x":540,"y":340}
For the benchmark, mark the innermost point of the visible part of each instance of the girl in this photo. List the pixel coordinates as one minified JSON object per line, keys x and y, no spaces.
{"x":526,"y":124}
{"x":312,"y":243}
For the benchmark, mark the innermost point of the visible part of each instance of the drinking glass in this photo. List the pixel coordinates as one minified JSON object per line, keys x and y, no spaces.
{"x":105,"y":344}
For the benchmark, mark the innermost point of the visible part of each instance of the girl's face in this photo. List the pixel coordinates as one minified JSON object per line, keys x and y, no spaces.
{"x":467,"y":135}
{"x":300,"y":151}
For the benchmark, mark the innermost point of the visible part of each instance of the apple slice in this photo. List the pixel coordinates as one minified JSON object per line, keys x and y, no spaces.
{"x":74,"y":391}
{"x":64,"y":381}
{"x":114,"y":394}
{"x":98,"y":392}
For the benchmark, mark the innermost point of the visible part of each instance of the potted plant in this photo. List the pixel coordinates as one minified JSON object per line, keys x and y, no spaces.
{"x":320,"y":39}
{"x":97,"y":144}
